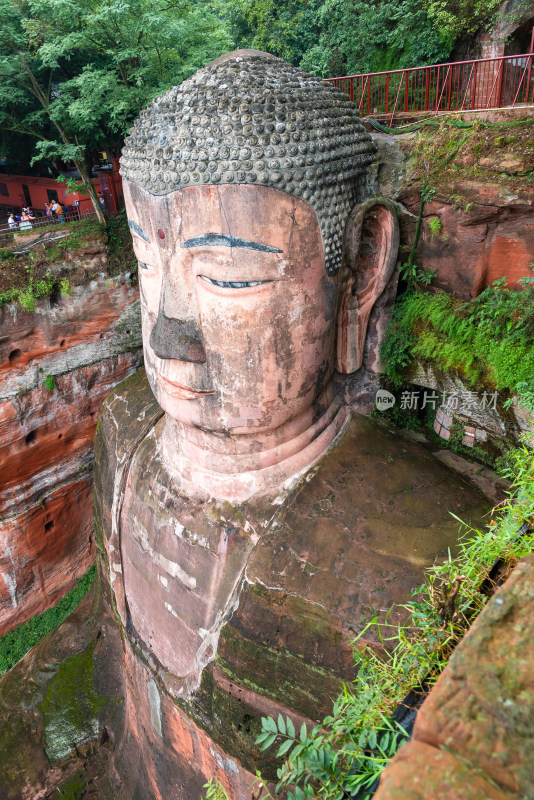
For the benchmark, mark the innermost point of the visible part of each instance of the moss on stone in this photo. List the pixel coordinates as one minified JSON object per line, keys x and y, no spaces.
{"x":230,"y":722}
{"x":71,"y":707}
{"x":276,"y":673}
{"x":73,"y":788}
{"x":451,"y":154}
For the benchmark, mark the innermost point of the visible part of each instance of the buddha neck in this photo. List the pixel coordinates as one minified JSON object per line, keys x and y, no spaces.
{"x":238,"y":467}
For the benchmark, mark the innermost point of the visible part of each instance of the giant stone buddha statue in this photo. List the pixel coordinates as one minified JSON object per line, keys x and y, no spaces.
{"x":250,"y":521}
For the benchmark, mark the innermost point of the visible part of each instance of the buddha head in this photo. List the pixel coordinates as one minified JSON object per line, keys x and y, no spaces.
{"x":242,"y":187}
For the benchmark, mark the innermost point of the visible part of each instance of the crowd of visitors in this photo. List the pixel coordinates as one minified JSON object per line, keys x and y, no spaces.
{"x":24,"y":220}
{"x":53,"y":211}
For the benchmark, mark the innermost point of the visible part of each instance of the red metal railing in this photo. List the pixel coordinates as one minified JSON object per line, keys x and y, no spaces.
{"x":41,"y":223}
{"x":485,"y":83}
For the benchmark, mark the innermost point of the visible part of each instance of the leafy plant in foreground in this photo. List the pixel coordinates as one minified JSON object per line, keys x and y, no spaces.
{"x":351,"y":747}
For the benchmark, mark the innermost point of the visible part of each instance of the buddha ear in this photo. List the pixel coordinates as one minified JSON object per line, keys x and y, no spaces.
{"x":370,"y":248}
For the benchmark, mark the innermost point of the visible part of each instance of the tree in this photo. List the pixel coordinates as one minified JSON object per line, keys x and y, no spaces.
{"x":360,"y":36}
{"x":75,"y":74}
{"x":462,"y":18}
{"x":275,"y":26}
{"x":342,"y":37}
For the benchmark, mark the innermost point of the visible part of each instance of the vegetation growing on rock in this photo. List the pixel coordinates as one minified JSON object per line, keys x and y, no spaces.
{"x":350,"y":748}
{"x":56,"y":266}
{"x":71,"y":706}
{"x":15,"y":643}
{"x":453,"y":150}
{"x":488,"y":340}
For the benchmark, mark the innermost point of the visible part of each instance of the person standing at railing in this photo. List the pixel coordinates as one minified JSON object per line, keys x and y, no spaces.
{"x":48,"y":211}
{"x":57,"y":211}
{"x":11,"y":221}
{"x":25,"y":222}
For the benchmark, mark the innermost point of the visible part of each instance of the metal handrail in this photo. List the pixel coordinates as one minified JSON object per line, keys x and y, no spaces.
{"x":428,"y":66}
{"x":474,"y":84}
{"x":44,"y":222}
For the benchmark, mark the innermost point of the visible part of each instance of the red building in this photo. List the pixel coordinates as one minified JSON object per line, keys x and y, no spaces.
{"x":17,"y":191}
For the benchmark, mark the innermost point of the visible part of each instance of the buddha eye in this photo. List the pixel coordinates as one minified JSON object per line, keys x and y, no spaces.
{"x":233,"y":284}
{"x":144,"y":266}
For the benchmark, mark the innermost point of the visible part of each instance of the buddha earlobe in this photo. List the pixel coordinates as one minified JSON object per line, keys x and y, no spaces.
{"x":370,"y":247}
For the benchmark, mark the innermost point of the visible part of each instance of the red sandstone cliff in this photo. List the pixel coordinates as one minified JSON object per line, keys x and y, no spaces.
{"x":478,"y":225}
{"x":472,"y":737}
{"x":88,"y":342}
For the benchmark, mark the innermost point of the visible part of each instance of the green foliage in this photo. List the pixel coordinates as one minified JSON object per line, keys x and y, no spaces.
{"x":451,"y":150}
{"x":487,"y":340}
{"x":409,"y":272}
{"x":71,"y":186}
{"x":74,"y":75}
{"x":404,"y":418}
{"x":461,"y":18}
{"x":73,"y":788}
{"x":415,"y":275}
{"x":340,"y":756}
{"x":435,"y":227}
{"x":336,"y":37}
{"x":282,"y":28}
{"x":121,"y":256}
{"x":65,"y":287}
{"x":15,"y":643}
{"x":27,"y":296}
{"x":9,"y":296}
{"x":360,"y":36}
{"x":49,"y":383}
{"x":78,"y":233}
{"x":351,"y":747}
{"x":215,"y":790}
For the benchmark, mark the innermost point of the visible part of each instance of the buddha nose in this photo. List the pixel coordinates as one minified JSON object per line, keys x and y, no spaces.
{"x":177,"y":339}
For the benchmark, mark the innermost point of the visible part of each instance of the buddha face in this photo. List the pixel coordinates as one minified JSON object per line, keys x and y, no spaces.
{"x":238,"y":311}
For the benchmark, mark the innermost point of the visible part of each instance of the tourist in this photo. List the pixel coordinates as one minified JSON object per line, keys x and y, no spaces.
{"x":57,"y":211}
{"x":25,"y":223}
{"x":11,"y":221}
{"x":48,"y":210}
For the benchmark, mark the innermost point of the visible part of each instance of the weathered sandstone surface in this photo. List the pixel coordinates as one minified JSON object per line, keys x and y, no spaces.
{"x":82,"y":345}
{"x":483,"y":203}
{"x":473,"y":735}
{"x":490,"y":236}
{"x":262,"y":598}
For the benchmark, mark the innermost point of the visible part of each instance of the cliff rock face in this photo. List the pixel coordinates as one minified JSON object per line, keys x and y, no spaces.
{"x":487,"y":237}
{"x":81,"y":346}
{"x":479,"y":224}
{"x":473,"y":734}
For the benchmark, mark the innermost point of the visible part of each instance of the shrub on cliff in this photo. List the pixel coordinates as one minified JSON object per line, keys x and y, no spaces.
{"x":488,"y":340}
{"x":16,"y":643}
{"x":344,"y":755}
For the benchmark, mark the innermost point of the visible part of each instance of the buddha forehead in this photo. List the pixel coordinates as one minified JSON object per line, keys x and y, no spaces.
{"x":250,"y":118}
{"x":241,"y":217}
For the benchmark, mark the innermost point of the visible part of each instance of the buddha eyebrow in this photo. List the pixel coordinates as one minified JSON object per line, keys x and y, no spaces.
{"x":138,"y":230}
{"x":224,"y":240}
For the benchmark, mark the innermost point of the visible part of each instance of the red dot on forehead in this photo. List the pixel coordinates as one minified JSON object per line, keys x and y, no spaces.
{"x":161,"y":234}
